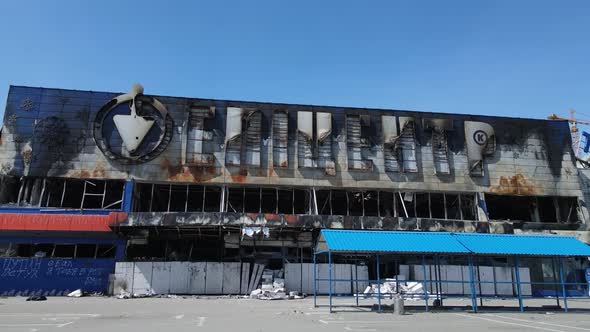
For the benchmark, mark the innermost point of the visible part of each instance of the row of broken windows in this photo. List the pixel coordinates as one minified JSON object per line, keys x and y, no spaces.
{"x":52,"y":250}
{"x":379,"y":203}
{"x":148,"y":197}
{"x":61,"y":193}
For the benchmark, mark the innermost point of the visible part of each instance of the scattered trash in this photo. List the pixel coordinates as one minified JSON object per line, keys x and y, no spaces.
{"x":37,"y":298}
{"x":76,"y":293}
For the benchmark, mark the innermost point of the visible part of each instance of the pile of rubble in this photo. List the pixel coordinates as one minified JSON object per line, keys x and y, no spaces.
{"x":272,"y":287}
{"x":392,"y":287}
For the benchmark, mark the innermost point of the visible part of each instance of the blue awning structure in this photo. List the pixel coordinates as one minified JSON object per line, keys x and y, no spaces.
{"x":523,"y":245}
{"x":404,"y":242}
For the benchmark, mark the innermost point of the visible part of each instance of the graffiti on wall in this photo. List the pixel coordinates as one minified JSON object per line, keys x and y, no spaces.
{"x":53,"y":276}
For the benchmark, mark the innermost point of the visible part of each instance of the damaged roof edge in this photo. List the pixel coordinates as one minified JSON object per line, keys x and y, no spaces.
{"x":334,"y":108}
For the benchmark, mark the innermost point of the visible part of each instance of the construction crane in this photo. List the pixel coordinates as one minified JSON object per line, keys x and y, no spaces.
{"x":573,"y":126}
{"x":574,"y":132}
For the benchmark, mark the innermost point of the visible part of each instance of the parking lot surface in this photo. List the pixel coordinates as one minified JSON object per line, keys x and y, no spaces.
{"x":229,"y":314}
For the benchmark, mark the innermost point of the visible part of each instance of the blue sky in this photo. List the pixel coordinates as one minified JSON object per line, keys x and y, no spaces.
{"x":509,"y":58}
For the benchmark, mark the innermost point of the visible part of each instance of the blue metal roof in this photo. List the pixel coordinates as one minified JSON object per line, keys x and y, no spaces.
{"x":390,"y":241}
{"x":451,"y":243}
{"x":530,"y":245}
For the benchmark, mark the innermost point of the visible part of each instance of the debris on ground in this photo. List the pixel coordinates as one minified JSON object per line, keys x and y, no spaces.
{"x":76,"y":293}
{"x":272,"y":286}
{"x":392,"y":287}
{"x":37,"y":298}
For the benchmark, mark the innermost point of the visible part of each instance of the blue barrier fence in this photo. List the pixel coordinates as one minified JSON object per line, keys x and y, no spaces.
{"x":54,"y":276}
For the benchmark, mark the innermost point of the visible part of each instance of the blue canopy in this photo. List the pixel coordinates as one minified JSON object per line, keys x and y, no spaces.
{"x":450,"y":243}
{"x":391,"y":241}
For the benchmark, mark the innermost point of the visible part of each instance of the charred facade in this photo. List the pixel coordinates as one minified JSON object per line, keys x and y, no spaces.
{"x":222,"y":180}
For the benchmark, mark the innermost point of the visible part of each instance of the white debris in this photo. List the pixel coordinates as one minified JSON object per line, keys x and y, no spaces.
{"x":76,"y":293}
{"x":390,"y":287}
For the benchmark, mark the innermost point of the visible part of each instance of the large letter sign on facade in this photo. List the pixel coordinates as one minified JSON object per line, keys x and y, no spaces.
{"x":480,"y":140}
{"x":132,"y":128}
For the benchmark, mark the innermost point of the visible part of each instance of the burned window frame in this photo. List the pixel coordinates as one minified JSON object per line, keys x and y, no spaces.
{"x":64,"y":193}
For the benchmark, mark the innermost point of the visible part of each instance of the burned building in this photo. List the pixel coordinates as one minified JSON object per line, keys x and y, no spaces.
{"x":99,"y":177}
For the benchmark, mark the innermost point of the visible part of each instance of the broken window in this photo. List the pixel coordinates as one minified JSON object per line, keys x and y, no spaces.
{"x":285,"y":202}
{"x":468,"y":207}
{"x":63,"y":193}
{"x":422,"y":205}
{"x":85,"y":250}
{"x":386,"y":204}
{"x":198,"y":134}
{"x":72,"y":194}
{"x":160,"y":198}
{"x":453,"y":207}
{"x":212,"y":199}
{"x":280,"y":142}
{"x":339,"y":201}
{"x":301,"y":201}
{"x":357,"y":142}
{"x":568,"y":209}
{"x":8,"y":249}
{"x":196,"y":198}
{"x":235,"y":200}
{"x":64,"y":250}
{"x":315,"y":141}
{"x":323,"y":201}
{"x":9,"y":188}
{"x":178,"y":198}
{"x":437,"y":206}
{"x":252,"y":200}
{"x":505,"y":207}
{"x":371,"y":203}
{"x":405,"y":204}
{"x":355,"y":203}
{"x":546,"y":208}
{"x":269,"y":200}
{"x":106,"y":251}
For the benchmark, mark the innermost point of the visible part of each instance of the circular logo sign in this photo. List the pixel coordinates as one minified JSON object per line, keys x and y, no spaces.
{"x":132,"y":128}
{"x":480,"y":137}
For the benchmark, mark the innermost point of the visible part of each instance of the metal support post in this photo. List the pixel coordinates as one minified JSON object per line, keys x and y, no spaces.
{"x":563,"y":291}
{"x":356,"y":282}
{"x":518,"y":288}
{"x":315,"y":288}
{"x":425,"y":282}
{"x":472,"y":284}
{"x":330,"y":278}
{"x":378,"y":284}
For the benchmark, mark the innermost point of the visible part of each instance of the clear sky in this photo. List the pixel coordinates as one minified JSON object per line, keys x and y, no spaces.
{"x":510,"y":58}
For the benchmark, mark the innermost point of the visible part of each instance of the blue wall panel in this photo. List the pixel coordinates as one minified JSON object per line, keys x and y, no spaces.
{"x":54,"y":276}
